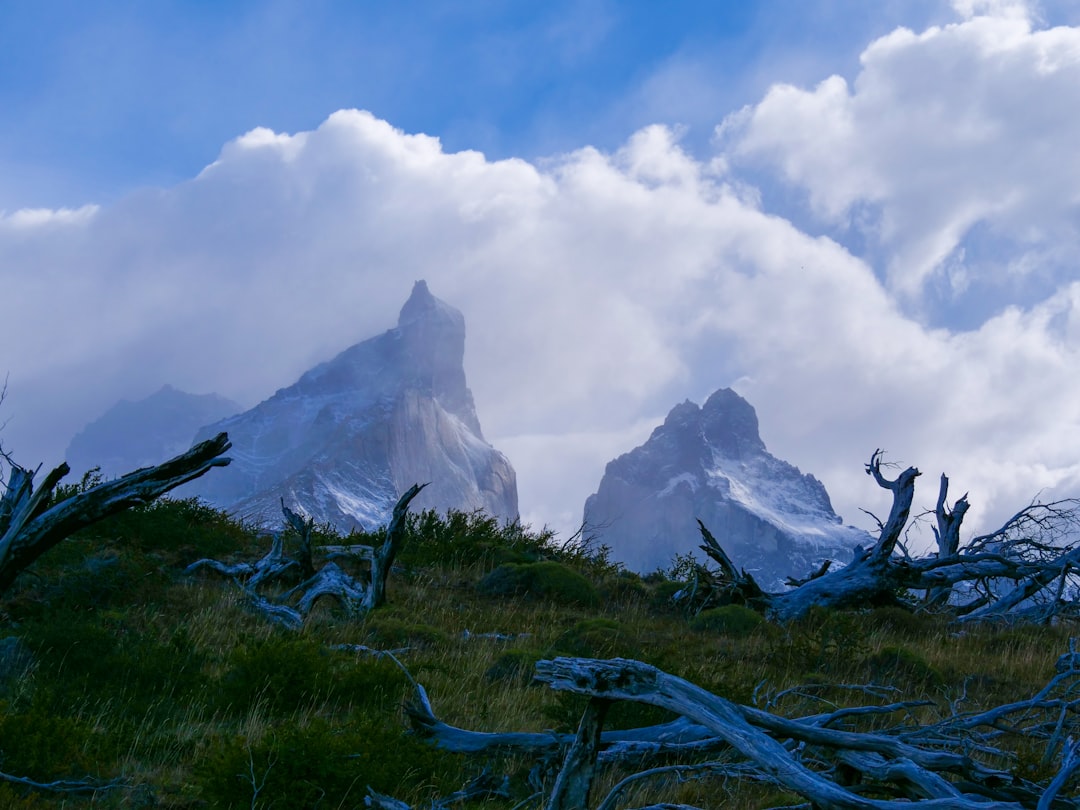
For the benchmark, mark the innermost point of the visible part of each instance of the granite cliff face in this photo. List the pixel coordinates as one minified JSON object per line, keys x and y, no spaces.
{"x":353,"y":433}
{"x":138,"y":434}
{"x":710,"y":463}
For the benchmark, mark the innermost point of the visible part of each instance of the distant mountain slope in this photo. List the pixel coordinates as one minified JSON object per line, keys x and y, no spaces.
{"x":710,"y":463}
{"x":138,"y":434}
{"x":353,"y":433}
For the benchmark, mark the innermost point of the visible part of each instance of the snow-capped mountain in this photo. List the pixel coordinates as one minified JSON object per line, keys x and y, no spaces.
{"x":710,"y":463}
{"x":138,"y":434}
{"x":345,"y":440}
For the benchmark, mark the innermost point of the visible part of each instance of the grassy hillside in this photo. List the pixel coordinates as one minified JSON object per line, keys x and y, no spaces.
{"x":127,"y":668}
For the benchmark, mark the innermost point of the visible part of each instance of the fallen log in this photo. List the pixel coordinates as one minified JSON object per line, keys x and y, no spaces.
{"x":1023,"y":570}
{"x":939,"y":766}
{"x":329,"y":581}
{"x":31,"y":524}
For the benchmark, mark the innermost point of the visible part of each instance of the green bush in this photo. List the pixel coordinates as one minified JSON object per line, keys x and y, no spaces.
{"x":734,"y":621}
{"x":317,"y":765}
{"x":285,"y":673}
{"x":470,"y":538}
{"x":390,"y":631}
{"x":89,"y":653}
{"x":564,"y":714}
{"x":187,"y":527}
{"x":899,"y":666}
{"x":901,"y":622}
{"x":42,"y":746}
{"x":597,"y":638}
{"x":825,"y":640}
{"x":543,"y":580}
{"x":626,"y":588}
{"x":663,"y":592}
{"x":514,"y":666}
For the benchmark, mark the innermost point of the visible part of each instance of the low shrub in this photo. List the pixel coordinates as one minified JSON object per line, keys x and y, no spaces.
{"x":186,"y":528}
{"x":542,"y":580}
{"x":43,"y":747}
{"x":901,"y":622}
{"x":734,"y":621}
{"x":317,"y":765}
{"x":283,"y":672}
{"x":470,"y":538}
{"x":514,"y":666}
{"x":390,"y":631}
{"x":825,"y":640}
{"x":597,"y":638}
{"x":899,"y":666}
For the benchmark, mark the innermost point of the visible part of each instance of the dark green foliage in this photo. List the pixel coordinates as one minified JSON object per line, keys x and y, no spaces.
{"x":543,"y":580}
{"x":389,"y":631}
{"x":899,"y":666}
{"x":475,"y":539}
{"x":285,"y":673}
{"x":626,"y":588}
{"x":185,"y":529}
{"x":44,"y":745}
{"x":82,"y":654}
{"x":320,"y":765}
{"x":470,"y":539}
{"x":565,"y":714}
{"x":17,"y":798}
{"x":901,"y":622}
{"x":663,"y":592}
{"x":597,"y":638}
{"x":735,"y":621}
{"x":514,"y":666}
{"x":825,"y":641}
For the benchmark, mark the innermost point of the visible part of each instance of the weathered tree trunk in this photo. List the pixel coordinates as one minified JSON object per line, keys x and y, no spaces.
{"x":873,"y":576}
{"x":387,"y":552}
{"x":947,"y":535}
{"x":1008,"y":573}
{"x":330,"y":580}
{"x":29,"y":526}
{"x":303,"y":529}
{"x":757,"y":736}
{"x":933,"y":765}
{"x":574,"y":781}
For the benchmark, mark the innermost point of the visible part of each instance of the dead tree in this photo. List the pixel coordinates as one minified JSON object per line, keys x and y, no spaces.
{"x":944,"y":765}
{"x":1023,"y":569}
{"x":31,"y":524}
{"x":331,"y":580}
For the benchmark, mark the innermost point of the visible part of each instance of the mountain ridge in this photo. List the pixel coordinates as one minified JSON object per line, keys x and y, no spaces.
{"x":709,"y":462}
{"x":353,"y":432}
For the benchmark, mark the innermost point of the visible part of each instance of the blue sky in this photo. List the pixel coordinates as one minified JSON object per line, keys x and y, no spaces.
{"x":101,"y":98}
{"x":862,"y":215}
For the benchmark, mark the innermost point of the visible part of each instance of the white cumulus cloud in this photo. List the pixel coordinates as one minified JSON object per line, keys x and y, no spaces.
{"x":599,"y":290}
{"x":959,"y":136}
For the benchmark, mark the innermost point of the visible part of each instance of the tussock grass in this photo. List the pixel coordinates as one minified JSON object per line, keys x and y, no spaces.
{"x":169,"y":681}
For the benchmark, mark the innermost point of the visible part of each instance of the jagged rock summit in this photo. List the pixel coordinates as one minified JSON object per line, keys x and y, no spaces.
{"x":353,"y":433}
{"x":710,"y":463}
{"x":138,"y":434}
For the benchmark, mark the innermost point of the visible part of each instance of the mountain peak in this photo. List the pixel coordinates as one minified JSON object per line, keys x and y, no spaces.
{"x":710,"y":463}
{"x":361,"y":427}
{"x":423,"y":306}
{"x":730,"y":424}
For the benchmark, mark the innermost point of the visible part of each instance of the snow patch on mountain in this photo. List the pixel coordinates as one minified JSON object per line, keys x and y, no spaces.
{"x":710,"y":463}
{"x":354,"y":432}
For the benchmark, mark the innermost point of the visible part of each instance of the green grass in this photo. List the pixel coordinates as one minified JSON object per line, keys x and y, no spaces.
{"x":143,"y":673}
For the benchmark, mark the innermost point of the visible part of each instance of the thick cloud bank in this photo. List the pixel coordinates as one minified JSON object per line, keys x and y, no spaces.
{"x":600,"y":289}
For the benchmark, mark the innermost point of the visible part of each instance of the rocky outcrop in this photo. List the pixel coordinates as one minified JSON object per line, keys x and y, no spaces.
{"x":355,"y":432}
{"x":131,"y":435}
{"x":710,"y":463}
